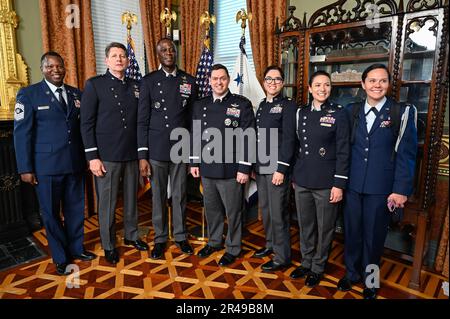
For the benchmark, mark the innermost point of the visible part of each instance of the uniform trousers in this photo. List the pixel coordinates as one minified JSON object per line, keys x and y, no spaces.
{"x":366,"y":221}
{"x":67,"y":192}
{"x":316,"y":218}
{"x":273,"y":200}
{"x":161,"y":171}
{"x":108,"y":187}
{"x":224,"y":197}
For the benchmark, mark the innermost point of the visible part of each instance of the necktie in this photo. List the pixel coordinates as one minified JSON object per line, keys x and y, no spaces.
{"x":372,"y":109}
{"x":61,"y":99}
{"x":217,"y":100}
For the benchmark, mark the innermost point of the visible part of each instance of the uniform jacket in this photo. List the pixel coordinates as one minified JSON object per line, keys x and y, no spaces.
{"x":323,"y":147}
{"x":234,"y":111}
{"x":109,"y":117}
{"x":47,"y":140}
{"x":373,"y":170}
{"x":165,"y":104}
{"x":271,"y":115}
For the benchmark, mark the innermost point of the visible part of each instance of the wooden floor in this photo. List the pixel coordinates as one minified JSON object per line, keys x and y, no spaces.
{"x":189,"y":277}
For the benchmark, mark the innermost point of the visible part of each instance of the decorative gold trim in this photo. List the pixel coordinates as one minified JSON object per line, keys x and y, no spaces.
{"x":443,"y":157}
{"x":13,"y":70}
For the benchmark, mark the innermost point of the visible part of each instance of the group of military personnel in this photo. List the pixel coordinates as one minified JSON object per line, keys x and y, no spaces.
{"x":124,"y":130}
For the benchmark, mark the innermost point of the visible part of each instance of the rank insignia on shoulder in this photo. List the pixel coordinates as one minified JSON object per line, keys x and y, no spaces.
{"x":19,"y":112}
{"x":232,"y":111}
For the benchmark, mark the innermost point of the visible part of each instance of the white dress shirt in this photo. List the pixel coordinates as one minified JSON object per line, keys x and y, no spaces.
{"x":370,"y":118}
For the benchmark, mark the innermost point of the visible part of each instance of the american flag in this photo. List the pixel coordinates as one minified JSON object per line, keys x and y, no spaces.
{"x":204,"y":72}
{"x":133,"y":71}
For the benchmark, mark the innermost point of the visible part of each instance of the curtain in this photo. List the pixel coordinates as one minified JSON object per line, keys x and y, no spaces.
{"x":66,"y":27}
{"x":152,"y":27}
{"x":441,"y":264}
{"x":192,"y":34}
{"x":262,"y":31}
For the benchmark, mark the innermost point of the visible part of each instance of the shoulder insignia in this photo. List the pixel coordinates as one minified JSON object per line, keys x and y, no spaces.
{"x":19,"y":111}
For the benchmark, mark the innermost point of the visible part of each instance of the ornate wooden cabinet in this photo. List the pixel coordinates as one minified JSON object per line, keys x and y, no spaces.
{"x":344,"y":38}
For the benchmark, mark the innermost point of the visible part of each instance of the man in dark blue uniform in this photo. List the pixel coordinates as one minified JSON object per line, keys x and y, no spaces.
{"x":381,"y":176}
{"x":165,"y":103}
{"x":49,"y":154}
{"x":224,"y":175}
{"x":108,"y":127}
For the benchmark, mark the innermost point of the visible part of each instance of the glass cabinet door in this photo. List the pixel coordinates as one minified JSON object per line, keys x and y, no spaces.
{"x":289,"y":65}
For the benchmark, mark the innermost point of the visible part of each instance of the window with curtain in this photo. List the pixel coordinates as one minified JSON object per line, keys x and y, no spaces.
{"x":227,"y":33}
{"x":108,"y":27}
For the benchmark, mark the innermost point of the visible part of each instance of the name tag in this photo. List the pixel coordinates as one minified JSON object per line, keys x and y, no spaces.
{"x":232,"y":111}
{"x":44,"y":107}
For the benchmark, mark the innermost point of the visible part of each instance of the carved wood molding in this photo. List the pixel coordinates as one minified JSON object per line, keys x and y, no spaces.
{"x":344,"y":11}
{"x":419,"y":22}
{"x":13,"y":70}
{"x":420,"y":5}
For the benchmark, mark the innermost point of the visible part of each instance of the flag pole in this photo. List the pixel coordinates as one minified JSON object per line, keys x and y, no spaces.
{"x":206,"y":19}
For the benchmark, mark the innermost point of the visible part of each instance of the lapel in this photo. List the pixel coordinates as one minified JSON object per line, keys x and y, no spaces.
{"x":70,"y":100}
{"x":50,"y":97}
{"x":382,"y":116}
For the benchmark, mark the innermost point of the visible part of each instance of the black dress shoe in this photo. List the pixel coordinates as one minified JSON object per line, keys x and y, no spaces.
{"x":227,"y":259}
{"x":138,"y":244}
{"x":207,"y":250}
{"x":185,"y":247}
{"x":300,"y":272}
{"x":85,"y":256}
{"x":61,"y":269}
{"x":112,"y":256}
{"x":346,"y":284}
{"x":158,"y":251}
{"x":273,"y":266}
{"x":263,"y":252}
{"x":370,"y":293}
{"x":313,"y":279}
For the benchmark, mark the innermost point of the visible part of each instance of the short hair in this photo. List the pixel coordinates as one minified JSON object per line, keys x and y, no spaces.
{"x":276,"y":68}
{"x":166,"y":39}
{"x":219,"y":66}
{"x":50,"y":53}
{"x":374,"y":67}
{"x":115,"y":45}
{"x":317,"y":73}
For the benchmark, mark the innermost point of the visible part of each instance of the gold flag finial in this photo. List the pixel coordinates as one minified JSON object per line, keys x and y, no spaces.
{"x":129,"y":18}
{"x":243,"y":16}
{"x":206,"y":19}
{"x":166,"y":18}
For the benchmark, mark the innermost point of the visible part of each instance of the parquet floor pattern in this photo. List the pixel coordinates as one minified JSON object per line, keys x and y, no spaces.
{"x":189,"y":277}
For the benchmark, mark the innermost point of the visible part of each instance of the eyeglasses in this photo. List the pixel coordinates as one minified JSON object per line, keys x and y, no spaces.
{"x":270,"y":80}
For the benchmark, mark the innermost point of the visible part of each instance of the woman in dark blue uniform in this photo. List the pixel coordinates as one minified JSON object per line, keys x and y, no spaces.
{"x":272,"y":174}
{"x":320,"y":174}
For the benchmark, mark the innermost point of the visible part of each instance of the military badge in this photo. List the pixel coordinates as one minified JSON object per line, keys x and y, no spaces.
{"x":227,"y":122}
{"x":235,"y":123}
{"x":136,"y":94}
{"x":322,"y":152}
{"x":234,"y":105}
{"x":386,"y":123}
{"x":327,"y":120}
{"x":19,"y":112}
{"x":233,"y":111}
{"x":276,"y":110}
{"x":184,"y":103}
{"x":185,"y":89}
